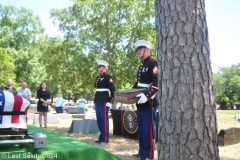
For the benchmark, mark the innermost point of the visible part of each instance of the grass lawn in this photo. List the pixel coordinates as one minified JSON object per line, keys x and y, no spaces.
{"x":124,"y":147}
{"x":228,"y":112}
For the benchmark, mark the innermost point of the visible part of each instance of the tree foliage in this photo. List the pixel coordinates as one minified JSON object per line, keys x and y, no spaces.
{"x":106,"y":30}
{"x":92,"y":30}
{"x":219,"y":84}
{"x":227,"y":82}
{"x":6,"y":67}
{"x":19,"y":28}
{"x":222,"y":99}
{"x":234,"y":88}
{"x":19,"y":31}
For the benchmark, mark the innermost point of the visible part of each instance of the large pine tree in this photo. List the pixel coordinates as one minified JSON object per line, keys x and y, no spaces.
{"x":187,"y":116}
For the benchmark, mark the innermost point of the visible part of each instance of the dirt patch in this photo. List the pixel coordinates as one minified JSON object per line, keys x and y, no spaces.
{"x":124,"y":148}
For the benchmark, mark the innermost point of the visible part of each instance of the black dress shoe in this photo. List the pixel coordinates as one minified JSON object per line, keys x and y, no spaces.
{"x":98,"y":142}
{"x":137,"y":155}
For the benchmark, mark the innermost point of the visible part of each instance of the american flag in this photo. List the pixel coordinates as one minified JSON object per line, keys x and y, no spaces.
{"x":13,"y":103}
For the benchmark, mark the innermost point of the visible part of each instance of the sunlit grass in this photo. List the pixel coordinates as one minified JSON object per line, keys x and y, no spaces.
{"x":124,"y":147}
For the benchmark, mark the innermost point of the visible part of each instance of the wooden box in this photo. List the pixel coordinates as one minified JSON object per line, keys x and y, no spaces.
{"x":127,"y":96}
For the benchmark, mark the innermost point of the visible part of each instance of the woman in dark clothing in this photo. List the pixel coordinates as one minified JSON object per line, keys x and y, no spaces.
{"x":42,"y":107}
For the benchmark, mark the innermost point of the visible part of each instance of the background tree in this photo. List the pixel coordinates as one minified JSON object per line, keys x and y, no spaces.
{"x":187,"y":124}
{"x":106,"y":30}
{"x":6,"y":67}
{"x":219,"y":84}
{"x":234,"y":87}
{"x":226,"y":82}
{"x":222,"y":99}
{"x":19,"y":30}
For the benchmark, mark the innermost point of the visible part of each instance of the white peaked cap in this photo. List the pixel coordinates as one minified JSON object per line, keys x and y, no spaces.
{"x":102,"y":63}
{"x":143,"y":43}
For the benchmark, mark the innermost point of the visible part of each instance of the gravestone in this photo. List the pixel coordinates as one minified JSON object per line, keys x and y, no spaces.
{"x":30,"y":116}
{"x":237,"y":117}
{"x":229,"y":136}
{"x":90,"y":116}
{"x":64,"y":116}
{"x":51,"y":118}
{"x":83,"y":126}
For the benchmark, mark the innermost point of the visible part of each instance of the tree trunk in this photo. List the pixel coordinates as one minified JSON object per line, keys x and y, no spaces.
{"x":187,"y":115}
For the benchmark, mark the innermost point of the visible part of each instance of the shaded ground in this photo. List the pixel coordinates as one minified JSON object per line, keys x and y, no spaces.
{"x":124,"y":147}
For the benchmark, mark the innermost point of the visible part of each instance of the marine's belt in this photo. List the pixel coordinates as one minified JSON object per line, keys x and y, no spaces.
{"x":102,"y":89}
{"x":142,"y":85}
{"x":146,"y":85}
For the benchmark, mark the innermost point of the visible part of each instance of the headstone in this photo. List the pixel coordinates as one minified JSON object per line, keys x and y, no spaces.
{"x":90,"y":116}
{"x":51,"y":118}
{"x":84,"y":126}
{"x":64,"y":116}
{"x":229,"y":136}
{"x":237,"y":116}
{"x":218,"y":115}
{"x":30,"y":116}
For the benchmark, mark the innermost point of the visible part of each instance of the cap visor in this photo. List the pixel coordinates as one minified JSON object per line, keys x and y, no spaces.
{"x":139,"y":47}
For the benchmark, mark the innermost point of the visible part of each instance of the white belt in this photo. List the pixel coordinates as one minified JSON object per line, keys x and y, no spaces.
{"x":142,"y":85}
{"x":153,"y":96}
{"x":102,"y":89}
{"x":146,"y":85}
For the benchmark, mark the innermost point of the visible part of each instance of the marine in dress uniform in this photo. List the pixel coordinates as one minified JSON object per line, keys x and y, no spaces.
{"x":103,"y":101}
{"x":147,"y":77}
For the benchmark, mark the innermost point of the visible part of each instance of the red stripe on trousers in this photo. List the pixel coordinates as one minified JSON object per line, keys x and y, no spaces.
{"x":151,"y":138}
{"x":18,"y":101}
{"x":121,"y":119}
{"x":105,"y":122}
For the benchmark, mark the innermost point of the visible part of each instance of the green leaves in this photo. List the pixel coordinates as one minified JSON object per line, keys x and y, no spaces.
{"x":20,"y":27}
{"x":107,"y":30}
{"x":19,"y":30}
{"x":92,"y":30}
{"x":227,"y":81}
{"x":6,"y":67}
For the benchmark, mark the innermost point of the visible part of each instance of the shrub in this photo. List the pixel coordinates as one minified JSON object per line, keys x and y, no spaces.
{"x":222,"y":99}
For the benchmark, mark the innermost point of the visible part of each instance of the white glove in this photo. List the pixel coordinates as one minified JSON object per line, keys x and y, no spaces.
{"x":109,"y":105}
{"x":142,"y":99}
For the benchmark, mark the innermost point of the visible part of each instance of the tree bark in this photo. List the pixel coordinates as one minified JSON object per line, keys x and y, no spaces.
{"x":187,"y":115}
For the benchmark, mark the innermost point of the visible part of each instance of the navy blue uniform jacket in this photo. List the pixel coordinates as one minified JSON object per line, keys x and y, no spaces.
{"x":104,"y":81}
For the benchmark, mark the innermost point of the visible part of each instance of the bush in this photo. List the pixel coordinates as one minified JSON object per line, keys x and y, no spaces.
{"x":230,"y":105}
{"x":223,"y":105}
{"x":223,"y":101}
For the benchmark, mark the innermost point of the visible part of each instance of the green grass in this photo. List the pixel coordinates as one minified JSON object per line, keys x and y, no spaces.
{"x":228,"y":112}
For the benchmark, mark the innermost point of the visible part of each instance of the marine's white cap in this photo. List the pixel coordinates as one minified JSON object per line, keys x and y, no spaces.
{"x":102,"y":63}
{"x":143,"y":44}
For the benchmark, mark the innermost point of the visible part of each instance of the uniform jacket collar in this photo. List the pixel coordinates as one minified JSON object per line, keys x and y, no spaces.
{"x":102,"y":73}
{"x":146,"y":59}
